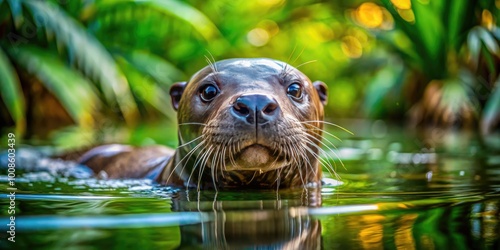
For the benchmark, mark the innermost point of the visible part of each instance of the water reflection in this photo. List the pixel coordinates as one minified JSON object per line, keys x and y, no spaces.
{"x":221,"y":220}
{"x":394,"y":194}
{"x":277,"y":220}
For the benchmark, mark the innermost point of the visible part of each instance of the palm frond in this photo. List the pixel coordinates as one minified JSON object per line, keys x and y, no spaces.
{"x":74,"y":91}
{"x":457,"y":25}
{"x":426,"y":34}
{"x":162,"y":71}
{"x":11,"y":93}
{"x":178,"y":9}
{"x":147,"y":90}
{"x":387,"y":80}
{"x":17,"y":12}
{"x":94,"y":60}
{"x":491,"y":112}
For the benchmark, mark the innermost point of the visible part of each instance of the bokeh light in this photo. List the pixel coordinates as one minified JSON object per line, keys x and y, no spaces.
{"x":407,"y":15}
{"x":370,"y":15}
{"x":373,"y":16}
{"x":487,"y":19}
{"x":258,"y":37}
{"x":351,"y":47}
{"x":402,"y":4}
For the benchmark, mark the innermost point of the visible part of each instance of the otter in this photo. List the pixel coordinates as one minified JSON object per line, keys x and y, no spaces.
{"x":252,"y":123}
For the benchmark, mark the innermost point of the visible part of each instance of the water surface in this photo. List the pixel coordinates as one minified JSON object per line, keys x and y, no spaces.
{"x":397,"y":191}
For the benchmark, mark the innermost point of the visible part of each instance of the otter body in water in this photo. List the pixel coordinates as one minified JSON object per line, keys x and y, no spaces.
{"x":253,"y":123}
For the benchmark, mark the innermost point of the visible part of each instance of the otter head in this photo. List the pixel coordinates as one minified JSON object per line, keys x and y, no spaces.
{"x":251,"y":122}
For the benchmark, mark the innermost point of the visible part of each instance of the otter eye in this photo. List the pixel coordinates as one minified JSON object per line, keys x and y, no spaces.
{"x":208,"y":92}
{"x":295,"y":91}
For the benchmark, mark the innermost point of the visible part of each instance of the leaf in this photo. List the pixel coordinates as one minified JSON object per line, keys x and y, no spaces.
{"x":490,"y":61}
{"x":74,"y":92}
{"x":386,"y":80}
{"x":426,"y":34}
{"x":17,"y":12}
{"x":430,"y":28}
{"x":179,"y":9}
{"x":89,"y":53}
{"x":147,"y":90}
{"x":491,"y":117}
{"x":474,"y":44}
{"x":455,"y":96}
{"x":404,"y":47}
{"x":488,"y":40}
{"x":456,"y":23}
{"x":496,"y":32}
{"x":11,"y":93}
{"x":158,"y":68}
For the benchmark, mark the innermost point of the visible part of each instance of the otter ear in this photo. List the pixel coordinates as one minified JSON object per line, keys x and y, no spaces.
{"x":176,"y":92}
{"x":322,"y":91}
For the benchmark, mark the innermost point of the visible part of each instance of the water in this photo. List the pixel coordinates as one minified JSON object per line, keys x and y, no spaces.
{"x":397,"y":192}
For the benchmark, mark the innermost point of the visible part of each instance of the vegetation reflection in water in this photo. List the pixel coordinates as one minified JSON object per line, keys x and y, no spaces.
{"x":393,"y":194}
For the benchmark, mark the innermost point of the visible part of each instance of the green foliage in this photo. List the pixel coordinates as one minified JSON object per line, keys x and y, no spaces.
{"x":85,"y":51}
{"x":377,"y":60}
{"x":75,"y":92}
{"x":82,"y":72}
{"x":437,"y":28}
{"x":450,"y":41}
{"x":11,"y":92}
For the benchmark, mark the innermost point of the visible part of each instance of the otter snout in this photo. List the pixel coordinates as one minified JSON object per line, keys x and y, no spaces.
{"x":255,"y":109}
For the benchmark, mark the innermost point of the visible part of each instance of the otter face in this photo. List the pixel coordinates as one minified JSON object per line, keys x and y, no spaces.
{"x":255,"y":115}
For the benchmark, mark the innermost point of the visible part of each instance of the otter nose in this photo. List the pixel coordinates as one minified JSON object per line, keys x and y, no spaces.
{"x":255,"y":108}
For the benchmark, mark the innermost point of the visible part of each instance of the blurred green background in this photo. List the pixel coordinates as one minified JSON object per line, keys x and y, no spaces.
{"x":83,"y":72}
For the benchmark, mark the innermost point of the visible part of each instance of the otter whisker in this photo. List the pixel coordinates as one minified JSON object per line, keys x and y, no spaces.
{"x":303,"y":155}
{"x":254,"y":174}
{"x":212,"y":66}
{"x":193,"y":123}
{"x":291,"y":55}
{"x":213,"y":59}
{"x":323,"y":162}
{"x":223,"y":160}
{"x":323,"y":138}
{"x":200,"y":156}
{"x":199,"y":162}
{"x":189,"y":179}
{"x":284,"y":70}
{"x":305,"y":63}
{"x":215,"y":163}
{"x":297,"y":166}
{"x":298,"y":56}
{"x":278,"y":180}
{"x":331,"y":150}
{"x":300,"y":161}
{"x":203,"y":165}
{"x":325,"y":145}
{"x":187,"y":143}
{"x":310,"y":127}
{"x":220,"y":156}
{"x":306,"y":169}
{"x":329,"y":123}
{"x":188,"y":155}
{"x":274,"y":162}
{"x":308,"y":140}
{"x":231,"y":156}
{"x":231,"y":152}
{"x":312,"y":168}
